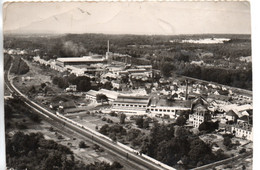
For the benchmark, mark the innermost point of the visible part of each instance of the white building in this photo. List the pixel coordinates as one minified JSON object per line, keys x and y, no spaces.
{"x":131,"y":104}
{"x":111,"y":95}
{"x":243,"y":131}
{"x":200,"y":112}
{"x":166,"y":107}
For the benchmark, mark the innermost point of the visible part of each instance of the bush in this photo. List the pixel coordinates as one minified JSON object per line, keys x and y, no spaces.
{"x":104,"y":119}
{"x":227,"y":141}
{"x":109,"y":121}
{"x":208,"y":126}
{"x":113,"y":114}
{"x":20,"y":126}
{"x":122,"y":118}
{"x":51,"y":129}
{"x":82,"y":144}
{"x":116,"y":165}
{"x":139,"y":122}
{"x":243,"y":150}
{"x":180,"y":121}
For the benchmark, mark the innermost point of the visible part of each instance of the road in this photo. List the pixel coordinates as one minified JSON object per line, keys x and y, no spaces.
{"x":132,"y":158}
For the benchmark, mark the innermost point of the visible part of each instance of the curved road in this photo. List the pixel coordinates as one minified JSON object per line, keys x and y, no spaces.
{"x":130,"y":156}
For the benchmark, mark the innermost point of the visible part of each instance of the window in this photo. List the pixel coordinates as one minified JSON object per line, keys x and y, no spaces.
{"x":127,"y":105}
{"x":144,"y":106}
{"x":173,"y":111}
{"x":135,"y":105}
{"x":123,"y":104}
{"x":168,"y":110}
{"x":156,"y":110}
{"x":140,"y":105}
{"x":131,"y":105}
{"x":164,"y":110}
{"x":152,"y":109}
{"x":160,"y":110}
{"x":119,"y":104}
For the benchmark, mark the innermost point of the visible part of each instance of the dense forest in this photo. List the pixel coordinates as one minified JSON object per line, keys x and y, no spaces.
{"x":221,"y":62}
{"x":169,"y":144}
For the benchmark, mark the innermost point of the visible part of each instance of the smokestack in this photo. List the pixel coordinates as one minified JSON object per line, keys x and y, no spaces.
{"x":186,"y":92}
{"x":108,"y":46}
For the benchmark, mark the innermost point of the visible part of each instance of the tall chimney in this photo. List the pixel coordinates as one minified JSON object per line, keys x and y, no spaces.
{"x":186,"y":92}
{"x":107,"y":45}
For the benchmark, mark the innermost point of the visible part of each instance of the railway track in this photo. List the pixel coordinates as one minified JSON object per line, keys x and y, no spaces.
{"x":133,"y":158}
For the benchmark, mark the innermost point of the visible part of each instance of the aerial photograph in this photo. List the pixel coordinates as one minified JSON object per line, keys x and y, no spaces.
{"x":128,"y":85}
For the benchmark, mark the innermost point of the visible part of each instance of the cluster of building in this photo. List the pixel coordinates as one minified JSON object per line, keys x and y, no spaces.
{"x":112,"y":67}
{"x":167,"y":97}
{"x":235,"y":119}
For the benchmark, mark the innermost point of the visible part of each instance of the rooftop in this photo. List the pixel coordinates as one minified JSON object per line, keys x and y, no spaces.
{"x":133,"y":99}
{"x":168,"y":103}
{"x":231,"y":113}
{"x":109,"y":93}
{"x":80,"y":59}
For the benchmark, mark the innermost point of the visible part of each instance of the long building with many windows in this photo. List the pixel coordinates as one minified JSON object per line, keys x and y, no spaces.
{"x":131,"y":104}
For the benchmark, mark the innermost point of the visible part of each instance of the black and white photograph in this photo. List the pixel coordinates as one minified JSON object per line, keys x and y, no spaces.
{"x":128,"y":85}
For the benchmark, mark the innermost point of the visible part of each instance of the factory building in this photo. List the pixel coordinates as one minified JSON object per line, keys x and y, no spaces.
{"x":85,"y":60}
{"x":131,"y":104}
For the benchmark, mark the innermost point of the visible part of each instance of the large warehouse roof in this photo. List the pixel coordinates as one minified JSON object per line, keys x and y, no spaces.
{"x":80,"y":59}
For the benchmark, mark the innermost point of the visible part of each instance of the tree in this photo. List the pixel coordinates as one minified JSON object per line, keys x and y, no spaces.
{"x":208,"y":126}
{"x":166,"y":69}
{"x":84,"y":85}
{"x":116,"y":165}
{"x":43,"y":85}
{"x":101,"y":98}
{"x":133,"y":134}
{"x":82,"y":144}
{"x":122,"y":118}
{"x":181,"y":132}
{"x":146,"y":123}
{"x":104,"y":129}
{"x":113,"y":136}
{"x":180,"y":121}
{"x":227,"y":141}
{"x":55,"y":80}
{"x":139,"y":122}
{"x":32,"y":89}
{"x":198,"y":149}
{"x":108,"y":85}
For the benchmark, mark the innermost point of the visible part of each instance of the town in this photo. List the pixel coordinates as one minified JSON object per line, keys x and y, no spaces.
{"x":109,"y":94}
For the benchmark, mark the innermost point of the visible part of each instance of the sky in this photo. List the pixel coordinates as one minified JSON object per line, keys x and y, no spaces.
{"x":168,"y":18}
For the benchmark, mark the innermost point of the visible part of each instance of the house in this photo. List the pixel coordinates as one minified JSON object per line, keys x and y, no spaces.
{"x":116,"y":84}
{"x":67,"y":105}
{"x":199,"y":117}
{"x":231,"y":116}
{"x":72,"y":88}
{"x":244,"y":131}
{"x":245,"y":119}
{"x":200,"y":113}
